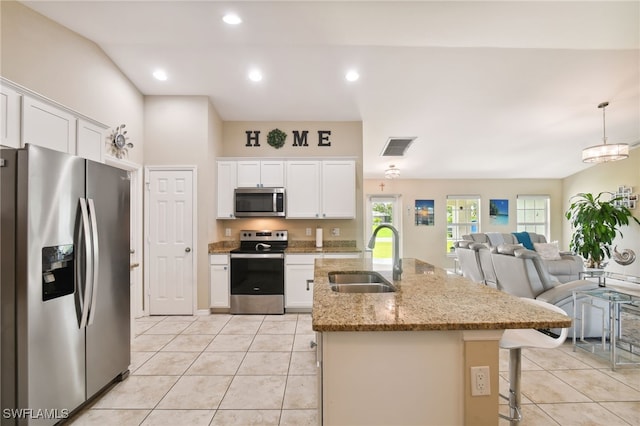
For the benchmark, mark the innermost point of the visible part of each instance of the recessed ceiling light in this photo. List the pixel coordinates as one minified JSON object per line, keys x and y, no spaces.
{"x":352,"y":75}
{"x":232,"y":19}
{"x":160,"y":75}
{"x":255,"y":75}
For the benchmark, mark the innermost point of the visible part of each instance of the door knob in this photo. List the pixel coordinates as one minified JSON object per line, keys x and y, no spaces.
{"x":188,"y":249}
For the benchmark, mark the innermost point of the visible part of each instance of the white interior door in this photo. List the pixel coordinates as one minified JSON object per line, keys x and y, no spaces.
{"x":170,"y":242}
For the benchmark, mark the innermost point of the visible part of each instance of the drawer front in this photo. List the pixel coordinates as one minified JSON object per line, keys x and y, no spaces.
{"x":218,"y":259}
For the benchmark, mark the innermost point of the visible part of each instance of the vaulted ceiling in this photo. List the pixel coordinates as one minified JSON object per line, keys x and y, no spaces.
{"x":489,"y":89}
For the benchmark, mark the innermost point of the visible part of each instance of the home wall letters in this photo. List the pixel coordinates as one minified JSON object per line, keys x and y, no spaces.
{"x":300,"y":138}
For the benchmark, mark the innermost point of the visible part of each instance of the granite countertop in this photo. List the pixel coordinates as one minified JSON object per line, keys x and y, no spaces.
{"x":295,"y":247}
{"x":223,"y":247}
{"x":427,"y":298}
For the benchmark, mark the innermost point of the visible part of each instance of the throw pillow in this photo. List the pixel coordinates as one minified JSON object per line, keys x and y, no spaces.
{"x":524,"y":239}
{"x":548,"y":251}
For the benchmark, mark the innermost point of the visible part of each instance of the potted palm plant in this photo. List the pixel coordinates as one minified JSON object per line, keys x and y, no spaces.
{"x":595,"y":223}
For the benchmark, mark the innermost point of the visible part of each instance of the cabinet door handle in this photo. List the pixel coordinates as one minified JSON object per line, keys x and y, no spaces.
{"x":309,"y":282}
{"x":225,"y":268}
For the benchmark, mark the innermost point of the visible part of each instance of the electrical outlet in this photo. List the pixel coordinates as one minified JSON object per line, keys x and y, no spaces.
{"x":227,"y":232}
{"x":335,"y":232}
{"x":480,"y":382}
{"x":308,"y":232}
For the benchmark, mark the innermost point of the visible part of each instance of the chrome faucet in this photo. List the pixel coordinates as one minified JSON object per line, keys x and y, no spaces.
{"x":397,"y":262}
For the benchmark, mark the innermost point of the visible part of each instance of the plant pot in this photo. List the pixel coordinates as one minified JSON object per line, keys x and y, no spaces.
{"x":592,"y":264}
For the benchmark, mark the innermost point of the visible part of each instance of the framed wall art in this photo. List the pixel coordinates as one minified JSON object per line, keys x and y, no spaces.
{"x":499,"y":212}
{"x":425,"y":212}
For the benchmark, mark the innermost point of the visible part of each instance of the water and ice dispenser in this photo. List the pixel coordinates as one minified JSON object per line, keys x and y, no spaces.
{"x":58,"y":272}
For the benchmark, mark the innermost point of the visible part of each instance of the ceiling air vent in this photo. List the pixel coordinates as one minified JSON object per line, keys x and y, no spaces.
{"x":396,"y":147}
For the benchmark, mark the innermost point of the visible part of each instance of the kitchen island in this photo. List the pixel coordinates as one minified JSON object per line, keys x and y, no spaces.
{"x":404,"y":357}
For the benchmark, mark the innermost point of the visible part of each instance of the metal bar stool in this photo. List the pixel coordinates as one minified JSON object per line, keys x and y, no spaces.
{"x":515,"y":340}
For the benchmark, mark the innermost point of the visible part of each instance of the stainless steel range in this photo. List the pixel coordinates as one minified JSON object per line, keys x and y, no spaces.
{"x":257,"y":273}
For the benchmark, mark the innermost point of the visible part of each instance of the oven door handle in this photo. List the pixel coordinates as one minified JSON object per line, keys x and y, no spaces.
{"x":257,"y":255}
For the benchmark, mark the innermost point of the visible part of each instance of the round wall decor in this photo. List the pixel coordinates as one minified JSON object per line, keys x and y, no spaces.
{"x":276,"y":138}
{"x":118,"y":142}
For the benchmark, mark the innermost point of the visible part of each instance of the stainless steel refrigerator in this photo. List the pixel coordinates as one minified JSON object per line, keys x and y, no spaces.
{"x":64,"y":294}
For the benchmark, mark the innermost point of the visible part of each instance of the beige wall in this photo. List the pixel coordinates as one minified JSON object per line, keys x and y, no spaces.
{"x":607,"y":177}
{"x":429,"y":242}
{"x":55,"y":62}
{"x":346,"y":141}
{"x":184,"y":131}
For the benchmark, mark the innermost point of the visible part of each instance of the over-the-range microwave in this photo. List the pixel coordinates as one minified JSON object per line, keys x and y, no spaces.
{"x":259,"y":202}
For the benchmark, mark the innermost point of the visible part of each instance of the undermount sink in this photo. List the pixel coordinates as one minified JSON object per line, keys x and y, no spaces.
{"x":359,"y":282}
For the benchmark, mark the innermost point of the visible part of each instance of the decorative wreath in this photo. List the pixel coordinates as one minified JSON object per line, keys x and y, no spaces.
{"x":276,"y":138}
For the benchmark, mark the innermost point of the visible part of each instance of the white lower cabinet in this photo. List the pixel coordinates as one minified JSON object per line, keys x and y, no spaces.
{"x":298,"y":278}
{"x":219,"y":281}
{"x":298,"y":281}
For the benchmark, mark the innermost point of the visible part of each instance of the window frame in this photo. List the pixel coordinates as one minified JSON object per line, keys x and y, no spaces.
{"x":536,"y":225}
{"x":463,"y":228}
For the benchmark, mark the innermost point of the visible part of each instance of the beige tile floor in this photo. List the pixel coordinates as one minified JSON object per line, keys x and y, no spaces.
{"x":260,"y":370}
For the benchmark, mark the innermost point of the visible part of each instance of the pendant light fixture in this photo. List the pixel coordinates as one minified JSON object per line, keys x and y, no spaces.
{"x":605,"y":152}
{"x":392,"y":172}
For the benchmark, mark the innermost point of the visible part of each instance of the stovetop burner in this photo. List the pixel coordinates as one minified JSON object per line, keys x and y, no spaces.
{"x":262,"y":241}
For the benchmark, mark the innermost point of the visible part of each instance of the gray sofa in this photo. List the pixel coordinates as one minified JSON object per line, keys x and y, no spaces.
{"x":521,"y":272}
{"x":467,"y":253}
{"x":566,"y":267}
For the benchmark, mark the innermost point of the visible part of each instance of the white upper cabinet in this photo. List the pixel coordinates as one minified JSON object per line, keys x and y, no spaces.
{"x":303,"y":189}
{"x":321,"y":189}
{"x":29,"y":118}
{"x":48,"y":126}
{"x":9,"y":117}
{"x":91,"y":141}
{"x":338,"y":189}
{"x":227,"y":176}
{"x":257,"y":174}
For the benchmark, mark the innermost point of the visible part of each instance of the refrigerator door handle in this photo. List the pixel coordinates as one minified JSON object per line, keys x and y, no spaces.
{"x":89,"y":263}
{"x":96,"y":259}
